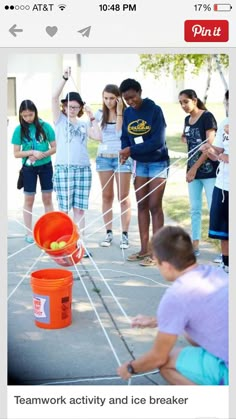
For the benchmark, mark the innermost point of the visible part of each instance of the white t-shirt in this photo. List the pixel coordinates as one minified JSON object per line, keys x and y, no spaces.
{"x":71,"y":141}
{"x":222,"y":141}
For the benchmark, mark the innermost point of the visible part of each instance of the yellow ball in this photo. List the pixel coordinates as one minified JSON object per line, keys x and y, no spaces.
{"x":54,"y":246}
{"x":61,"y":244}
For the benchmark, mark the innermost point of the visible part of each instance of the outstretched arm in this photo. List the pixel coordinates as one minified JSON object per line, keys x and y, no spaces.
{"x":142,"y":321}
{"x":155,"y":358}
{"x":57,"y":92}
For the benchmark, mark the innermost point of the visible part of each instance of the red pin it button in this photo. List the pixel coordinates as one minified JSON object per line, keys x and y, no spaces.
{"x":206,"y":30}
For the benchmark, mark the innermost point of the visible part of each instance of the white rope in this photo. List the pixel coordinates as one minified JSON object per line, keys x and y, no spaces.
{"x":108,"y":287}
{"x":98,"y":317}
{"x":119,"y":192}
{"x":95,"y":379}
{"x":153,"y":190}
{"x":19,"y":251}
{"x":27,"y":273}
{"x":31,"y":213}
{"x":110,"y":209}
{"x":20,"y":223}
{"x":68,"y":157}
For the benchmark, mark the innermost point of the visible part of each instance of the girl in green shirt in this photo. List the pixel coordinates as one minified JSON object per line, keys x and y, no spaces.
{"x":34,"y":142}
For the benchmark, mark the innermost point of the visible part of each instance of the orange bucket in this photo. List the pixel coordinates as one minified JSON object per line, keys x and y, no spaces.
{"x":52,"y":298}
{"x":57,"y":227}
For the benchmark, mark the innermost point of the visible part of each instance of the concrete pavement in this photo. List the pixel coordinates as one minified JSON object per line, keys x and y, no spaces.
{"x":107,"y":292}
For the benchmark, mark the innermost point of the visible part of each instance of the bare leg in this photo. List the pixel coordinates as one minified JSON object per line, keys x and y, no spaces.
{"x":123,"y":196}
{"x":195,"y":244}
{"x":79,"y":218}
{"x":225,"y":247}
{"x":27,"y":213}
{"x":107,"y":184}
{"x":47,"y":201}
{"x":169,"y":372}
{"x":143,"y":213}
{"x":155,"y":203}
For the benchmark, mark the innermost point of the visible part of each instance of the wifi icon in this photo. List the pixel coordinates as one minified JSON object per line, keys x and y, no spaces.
{"x":62,"y":6}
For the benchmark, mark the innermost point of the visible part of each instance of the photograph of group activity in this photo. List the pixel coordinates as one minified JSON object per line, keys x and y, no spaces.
{"x":118,"y":184}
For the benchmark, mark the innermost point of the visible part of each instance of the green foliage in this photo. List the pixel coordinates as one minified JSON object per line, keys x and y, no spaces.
{"x":177,"y":64}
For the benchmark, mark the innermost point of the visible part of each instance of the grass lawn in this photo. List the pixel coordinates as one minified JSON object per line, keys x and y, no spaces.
{"x":176,"y":207}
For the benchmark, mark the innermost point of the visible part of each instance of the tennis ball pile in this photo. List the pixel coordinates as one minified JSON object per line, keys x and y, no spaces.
{"x":56,"y":245}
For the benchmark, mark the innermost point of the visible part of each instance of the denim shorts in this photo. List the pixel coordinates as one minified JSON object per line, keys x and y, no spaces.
{"x":32,"y":173}
{"x":150,"y":170}
{"x":105,"y":164}
{"x":201,"y":367}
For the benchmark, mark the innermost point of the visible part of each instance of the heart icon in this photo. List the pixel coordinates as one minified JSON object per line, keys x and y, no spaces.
{"x":51,"y":30}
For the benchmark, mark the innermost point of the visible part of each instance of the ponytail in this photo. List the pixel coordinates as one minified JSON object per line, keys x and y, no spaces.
{"x":201,"y":105}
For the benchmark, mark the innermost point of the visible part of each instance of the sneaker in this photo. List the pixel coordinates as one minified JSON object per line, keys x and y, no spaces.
{"x":87,"y":255}
{"x":224,"y":267}
{"x":197,"y":252}
{"x":218,"y":259}
{"x":124,"y":243}
{"x":29,"y":239}
{"x":108,"y":240}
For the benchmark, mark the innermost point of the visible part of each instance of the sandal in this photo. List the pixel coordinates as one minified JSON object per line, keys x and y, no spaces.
{"x":136,"y":257}
{"x":147,"y":261}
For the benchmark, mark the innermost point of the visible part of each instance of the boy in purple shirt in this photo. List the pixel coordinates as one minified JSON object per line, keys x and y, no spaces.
{"x":196,"y":305}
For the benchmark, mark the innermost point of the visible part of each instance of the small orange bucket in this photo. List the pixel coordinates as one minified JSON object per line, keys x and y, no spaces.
{"x":57,"y":227}
{"x":52,"y":298}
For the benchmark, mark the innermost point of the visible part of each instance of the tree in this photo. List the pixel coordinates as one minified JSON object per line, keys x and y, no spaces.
{"x":178,"y":64}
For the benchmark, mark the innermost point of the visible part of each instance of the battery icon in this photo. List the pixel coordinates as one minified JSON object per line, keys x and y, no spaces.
{"x":222,"y":7}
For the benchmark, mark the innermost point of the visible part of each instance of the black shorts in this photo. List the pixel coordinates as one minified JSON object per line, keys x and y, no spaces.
{"x":219,"y":215}
{"x":32,"y":173}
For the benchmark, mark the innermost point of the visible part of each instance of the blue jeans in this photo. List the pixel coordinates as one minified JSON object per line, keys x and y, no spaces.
{"x":195,"y":197}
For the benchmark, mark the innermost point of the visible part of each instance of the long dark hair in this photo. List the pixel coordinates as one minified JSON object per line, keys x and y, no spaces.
{"x":113,"y":89}
{"x":28,"y":105}
{"x":191,"y":94}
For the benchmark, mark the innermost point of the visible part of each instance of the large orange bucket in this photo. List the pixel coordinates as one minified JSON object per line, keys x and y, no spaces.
{"x":52,"y":298}
{"x":57,"y":227}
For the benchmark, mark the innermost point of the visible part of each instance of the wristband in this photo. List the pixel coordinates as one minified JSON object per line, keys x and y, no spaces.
{"x":119,"y":115}
{"x":130,"y":368}
{"x":65,"y":78}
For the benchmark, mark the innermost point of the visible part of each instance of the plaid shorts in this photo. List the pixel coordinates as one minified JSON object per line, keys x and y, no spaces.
{"x":72,"y":185}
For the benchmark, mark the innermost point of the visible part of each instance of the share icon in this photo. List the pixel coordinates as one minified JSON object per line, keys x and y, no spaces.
{"x":85,"y":31}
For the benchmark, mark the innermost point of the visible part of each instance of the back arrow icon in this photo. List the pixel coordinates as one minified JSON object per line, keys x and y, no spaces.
{"x":13,"y":30}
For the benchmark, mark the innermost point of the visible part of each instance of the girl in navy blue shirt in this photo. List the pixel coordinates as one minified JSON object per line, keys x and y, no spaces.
{"x":199,"y":125}
{"x":143,"y":139}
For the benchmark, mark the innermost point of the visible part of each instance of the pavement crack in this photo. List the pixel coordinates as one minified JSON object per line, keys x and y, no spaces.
{"x":98,"y":291}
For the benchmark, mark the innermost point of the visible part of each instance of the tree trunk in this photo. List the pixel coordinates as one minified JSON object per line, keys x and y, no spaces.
{"x":219,"y":68}
{"x":209,"y":74}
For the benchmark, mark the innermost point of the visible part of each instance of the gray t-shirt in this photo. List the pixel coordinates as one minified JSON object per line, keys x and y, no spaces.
{"x":71,"y":141}
{"x":197,"y":303}
{"x":111,"y":143}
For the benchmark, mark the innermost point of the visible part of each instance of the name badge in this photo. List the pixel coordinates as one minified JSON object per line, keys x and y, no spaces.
{"x":138,"y":140}
{"x":103,"y":147}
